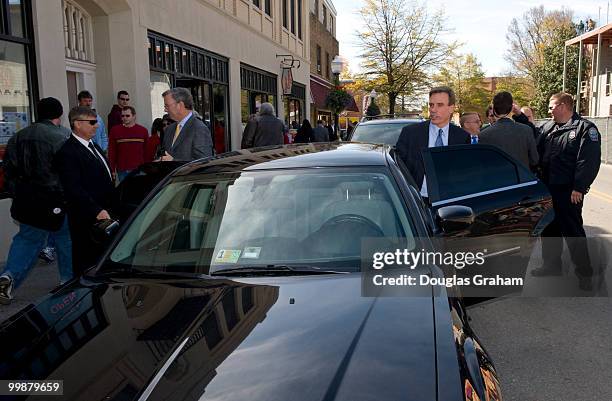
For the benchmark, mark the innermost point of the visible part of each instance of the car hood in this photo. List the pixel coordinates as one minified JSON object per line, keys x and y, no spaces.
{"x":298,"y":338}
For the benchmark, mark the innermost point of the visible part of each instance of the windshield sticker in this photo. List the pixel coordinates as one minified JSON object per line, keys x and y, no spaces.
{"x":251,"y":252}
{"x":228,"y":256}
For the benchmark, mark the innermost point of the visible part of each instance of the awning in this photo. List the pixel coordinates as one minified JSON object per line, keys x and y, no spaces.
{"x":319,"y":95}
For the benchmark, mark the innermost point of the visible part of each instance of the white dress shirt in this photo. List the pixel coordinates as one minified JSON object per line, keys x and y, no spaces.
{"x":433,"y":135}
{"x":86,"y":144}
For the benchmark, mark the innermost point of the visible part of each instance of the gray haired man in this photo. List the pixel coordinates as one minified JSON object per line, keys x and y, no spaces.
{"x":265,"y":130}
{"x":188,"y":138}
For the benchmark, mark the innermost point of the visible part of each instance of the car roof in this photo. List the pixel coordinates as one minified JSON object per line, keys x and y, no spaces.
{"x":290,"y":156}
{"x":391,"y":121}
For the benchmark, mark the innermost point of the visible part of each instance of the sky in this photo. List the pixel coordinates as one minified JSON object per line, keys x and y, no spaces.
{"x":480,"y":24}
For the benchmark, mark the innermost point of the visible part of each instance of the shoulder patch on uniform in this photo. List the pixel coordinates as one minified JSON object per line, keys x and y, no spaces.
{"x":572,"y":134}
{"x":594,"y":134}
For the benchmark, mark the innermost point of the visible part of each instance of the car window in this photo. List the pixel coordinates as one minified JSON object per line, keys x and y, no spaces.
{"x":472,"y":171}
{"x":378,"y":133}
{"x":313,"y":217}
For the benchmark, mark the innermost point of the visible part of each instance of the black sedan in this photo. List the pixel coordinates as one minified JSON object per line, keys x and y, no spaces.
{"x":385,"y":131}
{"x":238,"y":278}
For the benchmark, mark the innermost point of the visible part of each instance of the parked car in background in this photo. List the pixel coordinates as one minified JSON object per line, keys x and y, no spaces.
{"x":385,"y":131}
{"x":239,"y":277}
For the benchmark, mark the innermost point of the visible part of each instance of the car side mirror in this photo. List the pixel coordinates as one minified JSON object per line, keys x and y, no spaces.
{"x":455,"y":218}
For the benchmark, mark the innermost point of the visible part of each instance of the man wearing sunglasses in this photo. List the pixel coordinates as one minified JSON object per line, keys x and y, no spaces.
{"x":114,"y":117}
{"x":127,"y":144}
{"x":88,"y":186}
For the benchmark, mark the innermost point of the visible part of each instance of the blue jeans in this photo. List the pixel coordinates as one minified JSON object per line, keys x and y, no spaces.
{"x":26,"y":246}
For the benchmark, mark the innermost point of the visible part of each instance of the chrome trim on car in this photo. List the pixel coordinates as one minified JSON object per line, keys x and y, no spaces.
{"x":147,"y":392}
{"x":491,"y":191}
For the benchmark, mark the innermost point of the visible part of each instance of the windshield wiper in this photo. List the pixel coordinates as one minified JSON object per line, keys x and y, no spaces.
{"x":272,"y":270}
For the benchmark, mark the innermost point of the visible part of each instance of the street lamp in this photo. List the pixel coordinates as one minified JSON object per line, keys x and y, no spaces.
{"x":336,"y":67}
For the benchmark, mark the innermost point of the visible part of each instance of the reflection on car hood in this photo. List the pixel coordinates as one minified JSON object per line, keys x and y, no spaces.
{"x":298,"y":338}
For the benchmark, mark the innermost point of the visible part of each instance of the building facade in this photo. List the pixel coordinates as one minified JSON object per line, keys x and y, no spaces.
{"x":227,"y":52}
{"x":323,"y":48}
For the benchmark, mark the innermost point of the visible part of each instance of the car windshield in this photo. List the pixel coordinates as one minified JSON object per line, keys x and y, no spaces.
{"x":385,"y":133}
{"x":313,"y":217}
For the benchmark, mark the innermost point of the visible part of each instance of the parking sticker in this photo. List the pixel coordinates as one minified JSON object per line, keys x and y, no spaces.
{"x":228,"y":256}
{"x":251,"y":252}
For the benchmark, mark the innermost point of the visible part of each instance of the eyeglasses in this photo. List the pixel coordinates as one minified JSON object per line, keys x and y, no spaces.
{"x":554,"y":106}
{"x":169,"y":104}
{"x":126,"y":115}
{"x":91,"y":122}
{"x":125,"y":99}
{"x":474,"y":122}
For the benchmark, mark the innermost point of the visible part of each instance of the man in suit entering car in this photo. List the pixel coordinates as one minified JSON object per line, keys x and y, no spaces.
{"x":88,"y":186}
{"x":436,"y":132}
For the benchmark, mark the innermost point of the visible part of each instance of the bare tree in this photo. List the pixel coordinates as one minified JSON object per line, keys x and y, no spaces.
{"x":529,"y":35}
{"x":402,"y":44}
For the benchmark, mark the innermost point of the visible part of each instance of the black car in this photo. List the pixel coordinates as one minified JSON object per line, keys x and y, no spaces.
{"x":384,"y":131}
{"x":239,"y":278}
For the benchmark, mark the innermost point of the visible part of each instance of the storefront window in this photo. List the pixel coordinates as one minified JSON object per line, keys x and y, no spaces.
{"x":293,"y":111}
{"x":15,"y":108}
{"x":16,"y":17}
{"x":160,"y":83}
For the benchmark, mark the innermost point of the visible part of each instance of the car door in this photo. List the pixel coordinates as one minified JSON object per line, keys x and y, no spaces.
{"x":509,"y":206}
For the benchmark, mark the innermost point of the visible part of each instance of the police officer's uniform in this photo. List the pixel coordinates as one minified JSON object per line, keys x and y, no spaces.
{"x":570,"y":155}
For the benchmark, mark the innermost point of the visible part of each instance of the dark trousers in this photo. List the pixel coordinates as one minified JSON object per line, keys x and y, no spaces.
{"x":85,"y":251}
{"x":566,"y":225}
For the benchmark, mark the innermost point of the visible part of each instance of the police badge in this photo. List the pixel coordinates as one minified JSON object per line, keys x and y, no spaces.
{"x":572,"y":134}
{"x":594,"y":134}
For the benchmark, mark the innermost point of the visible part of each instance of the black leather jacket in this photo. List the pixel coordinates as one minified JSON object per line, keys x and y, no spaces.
{"x":29,"y":157}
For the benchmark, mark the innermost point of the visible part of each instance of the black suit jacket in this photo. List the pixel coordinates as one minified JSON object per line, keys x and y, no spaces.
{"x":414,"y":138}
{"x":87,"y":186}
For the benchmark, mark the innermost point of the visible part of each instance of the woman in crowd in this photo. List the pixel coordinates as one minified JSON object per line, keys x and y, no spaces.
{"x":304,"y":134}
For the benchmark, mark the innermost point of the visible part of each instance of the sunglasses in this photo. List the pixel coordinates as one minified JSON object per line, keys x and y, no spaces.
{"x":124,"y":99}
{"x":126,"y":115}
{"x":91,"y":122}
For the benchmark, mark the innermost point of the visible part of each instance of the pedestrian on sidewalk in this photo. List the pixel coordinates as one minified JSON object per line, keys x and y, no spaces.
{"x":101,"y":139}
{"x":38,"y":199}
{"x":264,"y":130}
{"x":114,"y":117}
{"x":127,"y":144}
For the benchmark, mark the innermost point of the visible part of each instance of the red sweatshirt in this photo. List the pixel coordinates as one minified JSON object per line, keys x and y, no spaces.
{"x":126,"y":147}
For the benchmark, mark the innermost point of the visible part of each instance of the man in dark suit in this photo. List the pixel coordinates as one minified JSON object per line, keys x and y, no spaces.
{"x":88,"y":186}
{"x":511,"y":137}
{"x":188,"y":138}
{"x":436,"y":132}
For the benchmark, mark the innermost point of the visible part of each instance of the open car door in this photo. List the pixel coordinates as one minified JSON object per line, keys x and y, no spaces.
{"x":482,"y":194}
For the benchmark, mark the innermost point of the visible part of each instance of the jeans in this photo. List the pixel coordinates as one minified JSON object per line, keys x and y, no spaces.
{"x":26,"y":246}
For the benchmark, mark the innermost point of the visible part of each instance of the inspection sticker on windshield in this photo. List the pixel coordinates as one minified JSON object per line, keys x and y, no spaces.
{"x":228,"y":256}
{"x":251,"y":252}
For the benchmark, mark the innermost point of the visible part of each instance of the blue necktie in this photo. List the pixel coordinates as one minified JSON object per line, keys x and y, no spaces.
{"x":474,"y":140}
{"x":439,"y":141}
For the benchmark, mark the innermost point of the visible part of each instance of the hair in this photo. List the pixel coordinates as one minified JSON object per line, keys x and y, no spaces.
{"x":305,"y":125}
{"x":565,"y":98}
{"x":130,"y":108}
{"x":84,"y":95}
{"x":502,"y":103}
{"x":122,"y":92}
{"x":157,"y":126}
{"x":78,"y":112}
{"x":180,"y":95}
{"x":320,"y":122}
{"x":266,"y":109}
{"x":444,"y":89}
{"x":465,"y":115}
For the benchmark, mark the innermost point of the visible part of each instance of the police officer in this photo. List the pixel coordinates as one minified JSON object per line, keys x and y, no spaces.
{"x":570,"y":154}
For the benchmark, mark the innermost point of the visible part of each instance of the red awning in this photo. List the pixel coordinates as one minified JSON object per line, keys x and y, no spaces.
{"x":319,"y":95}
